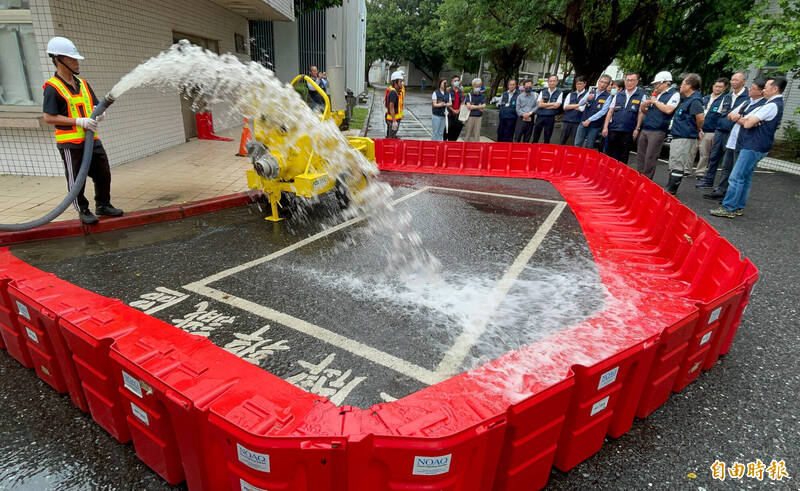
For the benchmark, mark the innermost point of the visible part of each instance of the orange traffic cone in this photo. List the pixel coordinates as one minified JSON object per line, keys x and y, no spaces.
{"x":247,"y":135}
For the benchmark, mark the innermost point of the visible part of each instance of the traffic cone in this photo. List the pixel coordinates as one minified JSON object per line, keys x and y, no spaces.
{"x":247,"y":135}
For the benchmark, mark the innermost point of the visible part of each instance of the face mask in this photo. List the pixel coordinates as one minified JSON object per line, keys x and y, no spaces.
{"x":476,"y":90}
{"x":614,"y":91}
{"x":528,"y":90}
{"x":455,"y":84}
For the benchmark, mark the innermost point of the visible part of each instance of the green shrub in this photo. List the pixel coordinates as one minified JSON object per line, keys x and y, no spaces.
{"x":359,"y":115}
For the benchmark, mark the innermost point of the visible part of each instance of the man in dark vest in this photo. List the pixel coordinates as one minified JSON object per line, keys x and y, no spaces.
{"x":758,"y":134}
{"x":715,"y":106}
{"x":654,"y":117}
{"x":596,"y":104}
{"x":573,"y":111}
{"x":621,"y":120}
{"x":508,"y":113}
{"x":549,"y":103}
{"x":685,"y":131}
{"x":736,"y":97}
{"x":734,"y":144}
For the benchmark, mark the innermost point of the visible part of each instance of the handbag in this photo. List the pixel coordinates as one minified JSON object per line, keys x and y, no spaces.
{"x":463,"y":112}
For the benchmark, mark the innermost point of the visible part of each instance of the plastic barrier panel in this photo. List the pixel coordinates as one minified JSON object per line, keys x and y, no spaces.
{"x":197,"y":412}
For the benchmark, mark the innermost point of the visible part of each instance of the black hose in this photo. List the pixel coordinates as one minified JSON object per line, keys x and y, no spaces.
{"x":80,"y":179}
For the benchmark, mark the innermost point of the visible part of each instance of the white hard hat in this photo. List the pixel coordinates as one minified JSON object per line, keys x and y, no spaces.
{"x":662,"y":77}
{"x":397,"y":76}
{"x":62,"y":46}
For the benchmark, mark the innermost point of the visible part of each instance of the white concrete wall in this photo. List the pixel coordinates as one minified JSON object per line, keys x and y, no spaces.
{"x":287,"y":50}
{"x":348,"y":48}
{"x":115,"y":36}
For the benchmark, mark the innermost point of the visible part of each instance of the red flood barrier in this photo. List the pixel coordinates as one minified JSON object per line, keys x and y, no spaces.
{"x":676,"y":293}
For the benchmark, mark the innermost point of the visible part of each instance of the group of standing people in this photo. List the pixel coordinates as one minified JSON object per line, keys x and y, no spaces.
{"x":731,"y":129}
{"x":454,"y":111}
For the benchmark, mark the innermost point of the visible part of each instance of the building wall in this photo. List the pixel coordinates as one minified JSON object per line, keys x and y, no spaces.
{"x":115,"y":36}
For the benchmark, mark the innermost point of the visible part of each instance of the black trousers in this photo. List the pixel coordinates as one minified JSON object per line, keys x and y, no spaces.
{"x":568,"y":131}
{"x":716,"y":154}
{"x":619,"y":145}
{"x":99,"y":171}
{"x":454,"y":127}
{"x":545,"y":123}
{"x":505,"y":129}
{"x":523,"y":130}
{"x":728,"y":160}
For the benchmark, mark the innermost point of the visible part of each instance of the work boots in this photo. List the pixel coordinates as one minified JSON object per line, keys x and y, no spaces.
{"x":88,"y":217}
{"x":675,"y":178}
{"x":108,"y":211}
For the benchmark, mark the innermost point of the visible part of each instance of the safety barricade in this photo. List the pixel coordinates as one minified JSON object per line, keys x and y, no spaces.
{"x":148,"y":365}
{"x":750,"y":276}
{"x":39,"y":327}
{"x":13,"y":339}
{"x":597,"y":390}
{"x":197,"y":412}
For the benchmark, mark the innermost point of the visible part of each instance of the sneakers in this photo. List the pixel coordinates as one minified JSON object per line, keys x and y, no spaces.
{"x":725,"y":213}
{"x":88,"y":217}
{"x":703,"y":184}
{"x":108,"y":211}
{"x":739,"y":212}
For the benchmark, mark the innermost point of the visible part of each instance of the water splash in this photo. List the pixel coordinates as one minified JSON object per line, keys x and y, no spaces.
{"x":254,"y":91}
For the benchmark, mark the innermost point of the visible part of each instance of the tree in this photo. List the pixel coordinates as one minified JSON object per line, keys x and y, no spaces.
{"x":405,"y":30}
{"x":766,"y":38}
{"x":595,"y":31}
{"x":304,"y":6}
{"x":699,"y":26}
{"x":501,"y":31}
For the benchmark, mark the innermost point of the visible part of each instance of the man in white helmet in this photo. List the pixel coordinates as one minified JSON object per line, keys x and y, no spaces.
{"x":654,"y":117}
{"x":68,"y":103}
{"x":393,"y":101}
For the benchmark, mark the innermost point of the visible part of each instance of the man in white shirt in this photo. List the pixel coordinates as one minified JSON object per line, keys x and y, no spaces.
{"x":734,"y":98}
{"x":756,"y":136}
{"x":654,"y":117}
{"x":755,"y":92}
{"x":549,"y":103}
{"x":714,"y":107}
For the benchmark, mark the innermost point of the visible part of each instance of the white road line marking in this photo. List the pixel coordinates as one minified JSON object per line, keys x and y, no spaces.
{"x":512,"y":196}
{"x":429,"y":132}
{"x":296,"y":245}
{"x":377,"y":356}
{"x":359,"y":349}
{"x":455,"y":355}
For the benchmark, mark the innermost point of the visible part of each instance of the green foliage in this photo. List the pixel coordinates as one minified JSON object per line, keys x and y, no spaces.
{"x":359,"y":115}
{"x":764,"y":38}
{"x":683,"y":40}
{"x":596,"y":30}
{"x":303,"y":6}
{"x":400,"y":30}
{"x":791,"y":138}
{"x":501,"y":31}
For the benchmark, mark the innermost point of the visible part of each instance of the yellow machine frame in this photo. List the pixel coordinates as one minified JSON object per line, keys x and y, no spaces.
{"x":303,"y":171}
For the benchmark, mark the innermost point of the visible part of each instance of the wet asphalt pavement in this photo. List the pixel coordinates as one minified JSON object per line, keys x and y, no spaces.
{"x":745,"y":408}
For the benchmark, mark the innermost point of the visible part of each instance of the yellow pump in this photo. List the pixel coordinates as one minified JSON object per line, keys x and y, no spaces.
{"x":301,"y":171}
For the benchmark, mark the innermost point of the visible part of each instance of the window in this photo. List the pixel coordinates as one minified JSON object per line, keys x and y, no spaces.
{"x":20,"y":78}
{"x":238,"y":40}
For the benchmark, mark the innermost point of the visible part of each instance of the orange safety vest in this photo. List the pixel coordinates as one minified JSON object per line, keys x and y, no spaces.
{"x":398,"y":115}
{"x":78,"y":106}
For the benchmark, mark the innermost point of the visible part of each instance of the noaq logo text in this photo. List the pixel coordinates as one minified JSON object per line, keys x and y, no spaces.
{"x":431,"y":466}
